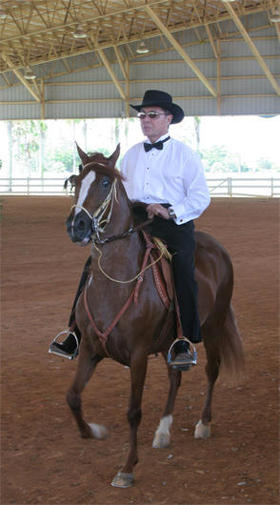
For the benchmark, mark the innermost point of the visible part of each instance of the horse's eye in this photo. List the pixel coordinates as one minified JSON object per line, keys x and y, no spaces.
{"x":105,"y":182}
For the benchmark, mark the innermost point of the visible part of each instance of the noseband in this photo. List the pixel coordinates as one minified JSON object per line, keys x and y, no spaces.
{"x":99,"y":219}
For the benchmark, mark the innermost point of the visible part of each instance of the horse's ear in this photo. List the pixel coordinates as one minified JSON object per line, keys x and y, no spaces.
{"x":113,"y":158}
{"x":83,"y":156}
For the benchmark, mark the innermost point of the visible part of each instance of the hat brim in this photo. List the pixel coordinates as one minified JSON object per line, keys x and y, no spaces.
{"x":176,"y":111}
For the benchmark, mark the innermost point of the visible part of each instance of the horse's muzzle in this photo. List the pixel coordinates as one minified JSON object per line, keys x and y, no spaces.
{"x":79,"y":227}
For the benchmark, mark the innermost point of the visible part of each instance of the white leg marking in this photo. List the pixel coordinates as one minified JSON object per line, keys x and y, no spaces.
{"x":86,"y":183}
{"x":162,"y":435}
{"x":202,"y":430}
{"x":99,"y":431}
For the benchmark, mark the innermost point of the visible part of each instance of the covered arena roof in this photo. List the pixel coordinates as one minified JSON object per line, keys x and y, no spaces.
{"x":214,"y":57}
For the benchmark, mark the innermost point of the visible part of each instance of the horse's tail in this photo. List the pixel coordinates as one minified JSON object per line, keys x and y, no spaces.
{"x":230,"y":345}
{"x":224,"y":342}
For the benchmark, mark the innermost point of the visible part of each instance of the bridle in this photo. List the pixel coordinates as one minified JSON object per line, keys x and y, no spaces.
{"x":102,"y":215}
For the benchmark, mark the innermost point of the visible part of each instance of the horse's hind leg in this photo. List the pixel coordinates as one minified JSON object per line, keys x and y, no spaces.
{"x":162,"y":434}
{"x":202,"y":429}
{"x":223,"y":345}
{"x":86,"y":366}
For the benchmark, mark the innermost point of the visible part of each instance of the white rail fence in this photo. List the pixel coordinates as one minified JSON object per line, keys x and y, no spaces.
{"x":219,"y":186}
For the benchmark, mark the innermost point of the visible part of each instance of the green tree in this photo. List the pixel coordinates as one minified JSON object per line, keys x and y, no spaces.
{"x":264,"y":164}
{"x":26,"y":136}
{"x":63,"y":160}
{"x":218,"y":159}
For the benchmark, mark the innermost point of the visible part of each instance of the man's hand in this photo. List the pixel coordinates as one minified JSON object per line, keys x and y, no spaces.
{"x":155,"y":209}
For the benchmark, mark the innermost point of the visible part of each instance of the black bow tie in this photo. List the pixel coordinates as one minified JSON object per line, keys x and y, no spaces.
{"x":157,"y":145}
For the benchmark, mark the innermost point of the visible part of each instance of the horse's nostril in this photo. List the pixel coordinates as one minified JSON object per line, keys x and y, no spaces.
{"x":78,"y":227}
{"x":81,"y":225}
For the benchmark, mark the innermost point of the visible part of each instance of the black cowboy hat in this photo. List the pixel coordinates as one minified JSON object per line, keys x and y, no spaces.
{"x":163,"y":100}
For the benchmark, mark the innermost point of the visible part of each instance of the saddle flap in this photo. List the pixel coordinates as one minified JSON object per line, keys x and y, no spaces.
{"x":162,"y":271}
{"x":168,"y":278}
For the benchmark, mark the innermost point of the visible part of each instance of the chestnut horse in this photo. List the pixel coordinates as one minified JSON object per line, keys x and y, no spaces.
{"x":113,"y":325}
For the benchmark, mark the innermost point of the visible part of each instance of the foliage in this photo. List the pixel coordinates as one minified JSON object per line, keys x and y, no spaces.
{"x":27,"y":138}
{"x":218,"y":159}
{"x":264,"y":164}
{"x":214,"y":154}
{"x":50,"y":146}
{"x":62,"y":160}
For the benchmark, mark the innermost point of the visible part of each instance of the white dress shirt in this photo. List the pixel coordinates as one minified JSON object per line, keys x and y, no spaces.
{"x":172,"y":175}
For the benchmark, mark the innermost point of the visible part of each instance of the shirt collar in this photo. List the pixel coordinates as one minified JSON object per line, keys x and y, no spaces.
{"x":161,"y":138}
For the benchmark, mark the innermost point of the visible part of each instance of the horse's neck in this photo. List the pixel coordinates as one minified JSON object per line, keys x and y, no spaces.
{"x":119,"y":260}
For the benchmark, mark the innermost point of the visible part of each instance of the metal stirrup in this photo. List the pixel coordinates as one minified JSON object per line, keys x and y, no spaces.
{"x":192,"y":347}
{"x":66,"y":332}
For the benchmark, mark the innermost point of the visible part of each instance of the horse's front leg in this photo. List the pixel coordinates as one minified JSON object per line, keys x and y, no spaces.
{"x":138,"y":368}
{"x":86,"y":366}
{"x":162,"y":434}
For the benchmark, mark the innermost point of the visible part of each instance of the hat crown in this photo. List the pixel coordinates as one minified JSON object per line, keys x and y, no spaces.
{"x":154,"y":95}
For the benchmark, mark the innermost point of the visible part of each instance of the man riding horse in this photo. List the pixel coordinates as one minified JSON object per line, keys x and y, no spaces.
{"x":168,"y":177}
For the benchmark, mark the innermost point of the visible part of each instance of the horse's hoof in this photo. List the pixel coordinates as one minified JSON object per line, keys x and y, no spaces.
{"x":98,"y":431}
{"x":123,"y":480}
{"x":202,"y":430}
{"x":161,"y":440}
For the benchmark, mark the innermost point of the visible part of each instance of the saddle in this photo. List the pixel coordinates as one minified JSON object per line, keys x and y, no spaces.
{"x":160,"y":259}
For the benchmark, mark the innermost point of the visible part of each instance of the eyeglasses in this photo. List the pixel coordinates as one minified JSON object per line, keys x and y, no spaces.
{"x":151,"y":114}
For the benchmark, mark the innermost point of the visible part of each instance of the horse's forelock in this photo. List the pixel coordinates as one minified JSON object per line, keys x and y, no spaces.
{"x":91,"y":158}
{"x":102,"y":168}
{"x":96,"y":156}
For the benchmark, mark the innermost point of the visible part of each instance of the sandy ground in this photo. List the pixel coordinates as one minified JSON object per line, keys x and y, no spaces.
{"x":43,"y":458}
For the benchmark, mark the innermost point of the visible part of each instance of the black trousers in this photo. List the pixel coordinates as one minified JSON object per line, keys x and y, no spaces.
{"x":82,"y":282}
{"x":180,"y":242}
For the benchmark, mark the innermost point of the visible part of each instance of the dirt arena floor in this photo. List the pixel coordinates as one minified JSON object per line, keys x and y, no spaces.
{"x":45,"y":461}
